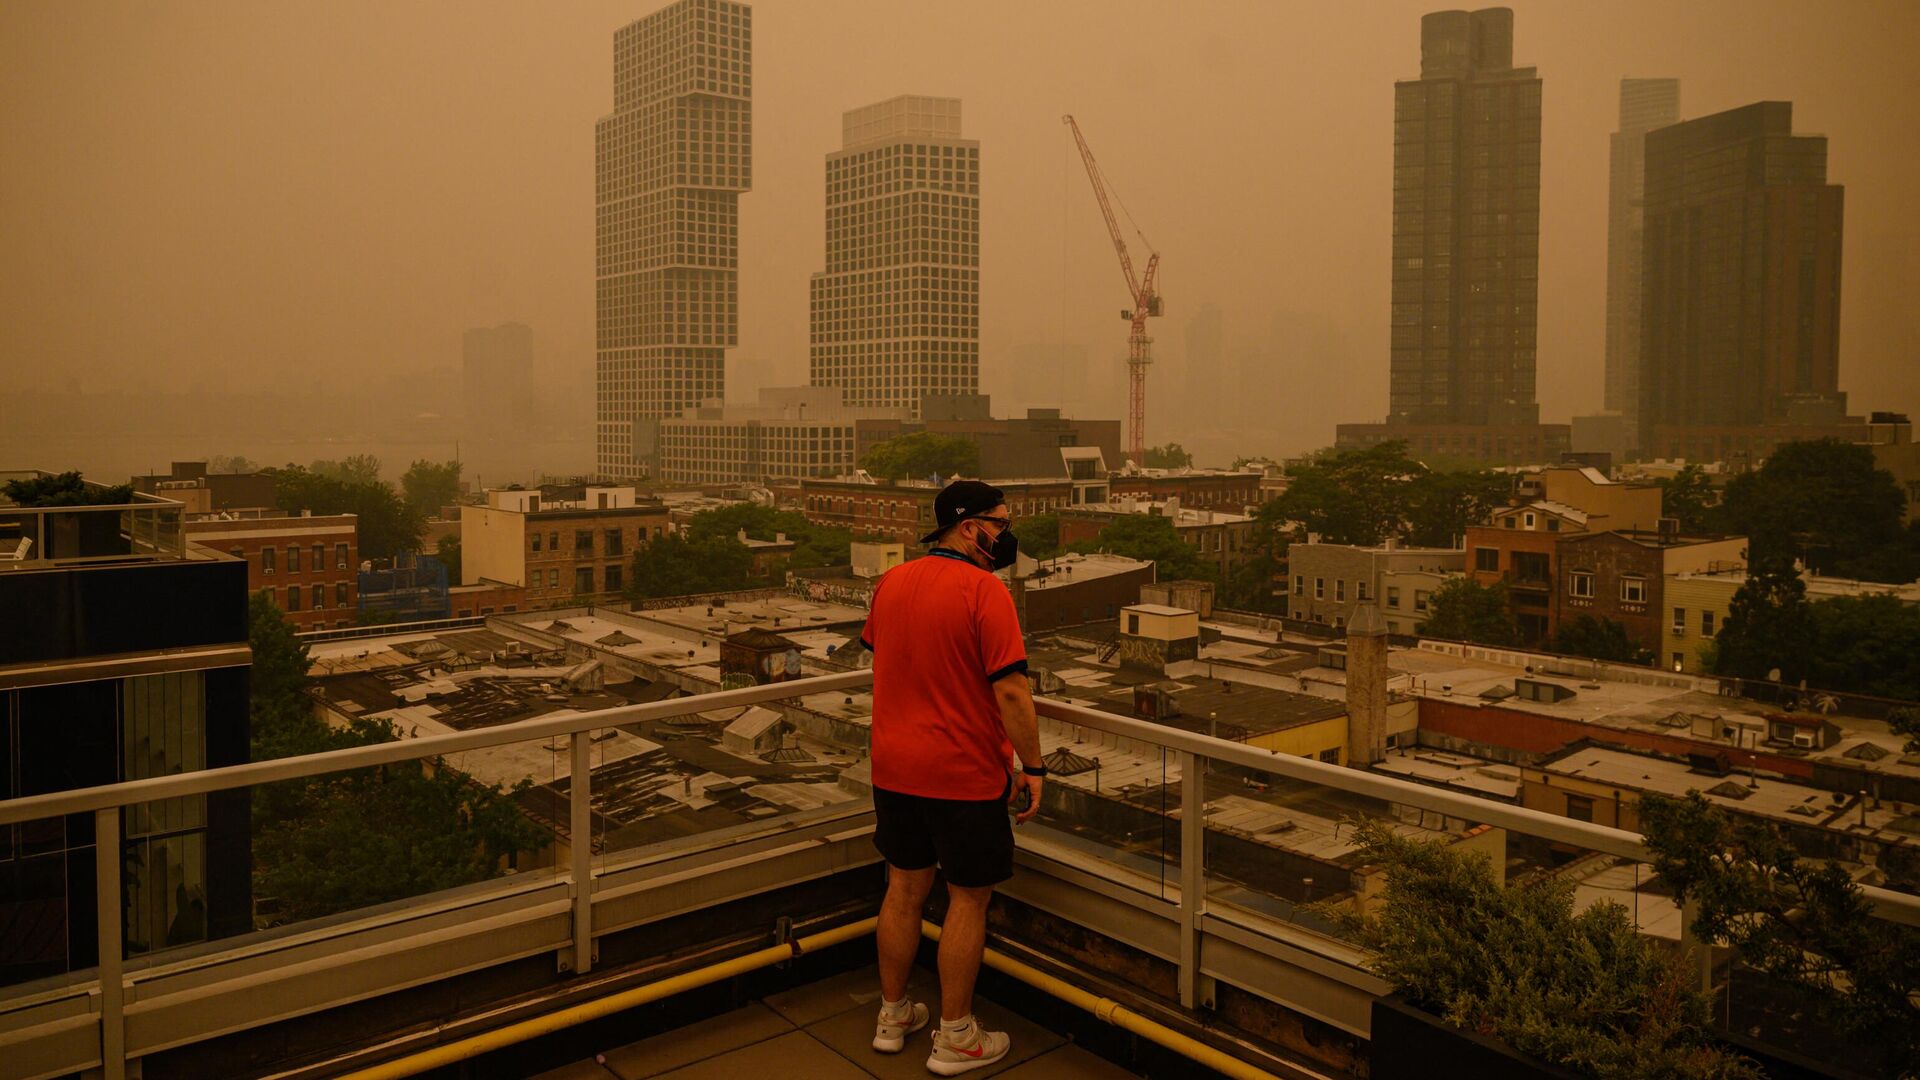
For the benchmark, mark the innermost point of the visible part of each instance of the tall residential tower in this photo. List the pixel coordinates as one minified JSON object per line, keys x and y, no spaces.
{"x":1645,"y":104}
{"x":1466,"y":227}
{"x":896,"y":314}
{"x":670,"y":163}
{"x":1740,"y":317}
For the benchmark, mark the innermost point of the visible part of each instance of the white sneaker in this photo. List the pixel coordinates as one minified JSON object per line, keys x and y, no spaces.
{"x":890,"y":1033}
{"x":953,"y":1057}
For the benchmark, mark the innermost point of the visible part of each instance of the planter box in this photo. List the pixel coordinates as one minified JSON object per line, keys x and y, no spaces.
{"x":1412,"y":1044}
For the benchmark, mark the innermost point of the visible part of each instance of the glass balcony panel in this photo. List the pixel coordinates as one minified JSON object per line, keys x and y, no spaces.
{"x":1114,"y":799}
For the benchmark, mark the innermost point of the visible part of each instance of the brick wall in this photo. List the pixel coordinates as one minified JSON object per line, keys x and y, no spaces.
{"x":280,"y":553}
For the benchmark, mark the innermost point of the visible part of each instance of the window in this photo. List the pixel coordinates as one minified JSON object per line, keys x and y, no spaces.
{"x":1553,"y":524}
{"x":293,"y":559}
{"x":1331,"y":755}
{"x":1420,"y":598}
{"x":1133,"y":623}
{"x":553,"y":579}
{"x":1633,"y":590}
{"x":293,"y":598}
{"x":319,"y":597}
{"x":553,"y":541}
{"x":340,"y":598}
{"x":1486,"y":558}
{"x":1579,"y":807}
{"x":583,"y":540}
{"x":1706,"y":624}
{"x":340,"y":556}
{"x":614,"y":544}
{"x":1359,"y":590}
{"x":1393,"y":596}
{"x":319,"y":557}
{"x":536,"y":541}
{"x":1508,"y":522}
{"x":615,"y":579}
{"x":1679,"y":620}
{"x":1529,"y":521}
{"x":1319,"y":588}
{"x":1339,"y":588}
{"x":266,"y":560}
{"x":583,"y":579}
{"x":1580,"y":584}
{"x":1299,"y":585}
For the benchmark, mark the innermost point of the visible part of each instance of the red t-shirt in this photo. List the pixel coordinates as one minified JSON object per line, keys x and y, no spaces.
{"x":941,"y":631}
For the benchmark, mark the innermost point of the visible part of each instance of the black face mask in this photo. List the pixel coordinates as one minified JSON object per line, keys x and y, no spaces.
{"x":1005,"y":549}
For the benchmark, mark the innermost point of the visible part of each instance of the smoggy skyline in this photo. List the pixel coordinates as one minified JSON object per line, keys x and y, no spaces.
{"x":241,"y":195}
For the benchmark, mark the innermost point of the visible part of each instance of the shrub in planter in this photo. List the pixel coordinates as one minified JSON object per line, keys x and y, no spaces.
{"x":1581,"y":991}
{"x":1803,"y":923}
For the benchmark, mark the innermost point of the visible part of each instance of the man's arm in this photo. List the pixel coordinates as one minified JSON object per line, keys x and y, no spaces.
{"x":1023,"y":731}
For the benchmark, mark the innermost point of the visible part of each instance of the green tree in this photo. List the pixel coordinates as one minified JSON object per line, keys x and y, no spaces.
{"x":1170,"y":456}
{"x":1463,"y":610}
{"x":430,"y":485}
{"x":65,"y":489}
{"x":1440,"y":505}
{"x":347,"y":840}
{"x":673,"y":565}
{"x":231,"y":463}
{"x":449,"y":554}
{"x":922,"y":453}
{"x":1039,"y":535}
{"x":1824,"y":502}
{"x":353,"y":469}
{"x":387,"y":525}
{"x":814,"y":545}
{"x":1804,"y":923}
{"x":1865,"y":645}
{"x":1151,"y":537}
{"x":1598,"y":639}
{"x":1905,"y":720}
{"x":1768,"y":627}
{"x":1351,"y":496}
{"x":1687,"y":496}
{"x":1584,"y":990}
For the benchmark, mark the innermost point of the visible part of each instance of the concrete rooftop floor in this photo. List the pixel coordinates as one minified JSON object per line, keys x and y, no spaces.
{"x":824,"y":1031}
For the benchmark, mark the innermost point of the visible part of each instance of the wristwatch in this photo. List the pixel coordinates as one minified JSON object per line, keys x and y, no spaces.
{"x":1034,"y":770}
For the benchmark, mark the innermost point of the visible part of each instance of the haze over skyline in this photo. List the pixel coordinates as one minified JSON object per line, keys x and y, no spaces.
{"x":250,"y":196}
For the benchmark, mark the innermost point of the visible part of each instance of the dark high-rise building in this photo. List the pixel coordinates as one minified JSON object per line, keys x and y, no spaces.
{"x":670,"y":163}
{"x":1645,"y":104}
{"x":1740,"y":318}
{"x":1466,"y":227}
{"x":497,"y":382}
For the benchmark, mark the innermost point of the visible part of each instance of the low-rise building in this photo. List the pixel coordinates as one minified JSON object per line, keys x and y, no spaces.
{"x":1223,"y":489}
{"x":1517,"y":546}
{"x":902,"y":510}
{"x":791,"y":432}
{"x":1329,"y":579}
{"x":1697,"y":602}
{"x":1077,"y":589}
{"x":1016,"y":446}
{"x":563,"y":544}
{"x":201,"y":492}
{"x":1621,"y":576}
{"x":309,"y":564}
{"x":1221,"y":537}
{"x":1605,"y":502}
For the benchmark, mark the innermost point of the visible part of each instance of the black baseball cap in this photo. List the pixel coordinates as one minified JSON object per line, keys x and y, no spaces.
{"x":959,"y":501}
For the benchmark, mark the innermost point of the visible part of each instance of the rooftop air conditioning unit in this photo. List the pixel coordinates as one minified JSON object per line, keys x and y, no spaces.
{"x":1803,"y":739}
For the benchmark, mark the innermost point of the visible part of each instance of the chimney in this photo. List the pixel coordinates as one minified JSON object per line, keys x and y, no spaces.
{"x":1366,"y":686}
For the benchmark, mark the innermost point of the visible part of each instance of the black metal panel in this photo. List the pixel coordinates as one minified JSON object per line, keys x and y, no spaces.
{"x":69,"y":613}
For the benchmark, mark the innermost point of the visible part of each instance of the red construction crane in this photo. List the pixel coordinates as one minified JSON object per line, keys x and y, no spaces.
{"x":1141,"y":290}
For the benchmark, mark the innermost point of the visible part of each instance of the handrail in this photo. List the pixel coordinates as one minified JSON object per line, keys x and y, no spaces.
{"x":226,"y":778}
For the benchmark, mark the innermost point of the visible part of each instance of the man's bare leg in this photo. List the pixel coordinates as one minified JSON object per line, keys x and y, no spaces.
{"x":962,"y":937}
{"x":898,"y":933}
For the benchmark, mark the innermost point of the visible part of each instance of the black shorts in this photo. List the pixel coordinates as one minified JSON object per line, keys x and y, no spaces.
{"x":971,"y":839}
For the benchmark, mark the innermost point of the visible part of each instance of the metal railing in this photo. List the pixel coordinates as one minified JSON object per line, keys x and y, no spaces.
{"x":1194,"y":754}
{"x":36,"y":537}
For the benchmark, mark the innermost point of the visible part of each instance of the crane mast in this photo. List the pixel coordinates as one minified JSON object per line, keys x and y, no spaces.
{"x":1141,"y":291}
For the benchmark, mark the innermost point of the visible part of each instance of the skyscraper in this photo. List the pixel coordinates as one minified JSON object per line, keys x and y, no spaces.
{"x":1466,"y":227}
{"x":1740,"y":319}
{"x":896,"y":314}
{"x":670,"y":163}
{"x":1645,"y":104}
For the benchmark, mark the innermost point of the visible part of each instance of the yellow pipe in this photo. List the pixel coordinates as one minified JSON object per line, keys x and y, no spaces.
{"x":549,"y":1023}
{"x":1112,"y":1012}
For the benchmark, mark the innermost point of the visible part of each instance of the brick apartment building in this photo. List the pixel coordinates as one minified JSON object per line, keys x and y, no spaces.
{"x":1519,"y":546}
{"x":1621,"y":576}
{"x":1076,"y":589}
{"x":563,"y":544}
{"x":201,"y":492}
{"x":310,"y":565}
{"x":1230,"y":489}
{"x":902,"y":511}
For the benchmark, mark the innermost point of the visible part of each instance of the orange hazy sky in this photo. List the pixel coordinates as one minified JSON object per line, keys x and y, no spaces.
{"x":245,"y":193}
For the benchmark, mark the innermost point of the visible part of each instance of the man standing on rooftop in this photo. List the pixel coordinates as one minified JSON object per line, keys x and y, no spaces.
{"x":955,"y":739}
